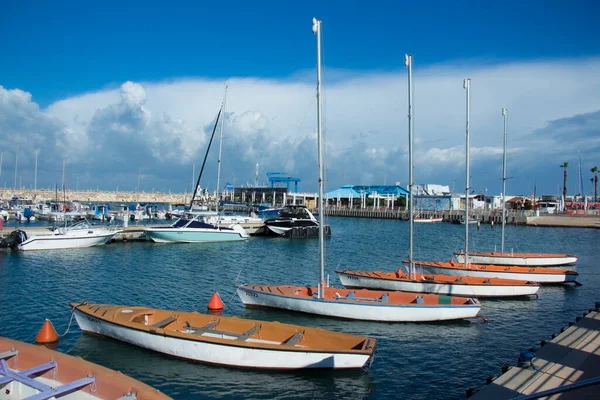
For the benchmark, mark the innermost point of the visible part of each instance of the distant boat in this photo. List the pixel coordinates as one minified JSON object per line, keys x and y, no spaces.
{"x":78,"y":235}
{"x":195,"y":230}
{"x":227,"y":341}
{"x":399,"y":280}
{"x":35,"y":372}
{"x":291,"y":217}
{"x":428,"y":220}
{"x":516,"y":259}
{"x":193,"y":227}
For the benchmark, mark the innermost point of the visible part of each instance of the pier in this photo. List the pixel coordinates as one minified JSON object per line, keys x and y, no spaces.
{"x":568,"y":364}
{"x":484,"y":217}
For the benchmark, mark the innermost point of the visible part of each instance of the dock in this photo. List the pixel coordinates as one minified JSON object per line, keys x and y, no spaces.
{"x":567,"y":366}
{"x":491,"y":217}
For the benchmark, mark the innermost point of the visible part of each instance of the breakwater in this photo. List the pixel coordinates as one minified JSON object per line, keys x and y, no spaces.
{"x":98,"y":196}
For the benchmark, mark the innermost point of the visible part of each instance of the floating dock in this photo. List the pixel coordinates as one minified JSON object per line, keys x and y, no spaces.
{"x":567,"y":366}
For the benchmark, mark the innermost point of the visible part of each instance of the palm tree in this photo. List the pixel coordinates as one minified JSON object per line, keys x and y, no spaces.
{"x":595,"y":171}
{"x":565,"y":165}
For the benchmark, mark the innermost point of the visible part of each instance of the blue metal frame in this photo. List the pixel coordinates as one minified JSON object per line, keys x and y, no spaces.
{"x":24,"y":377}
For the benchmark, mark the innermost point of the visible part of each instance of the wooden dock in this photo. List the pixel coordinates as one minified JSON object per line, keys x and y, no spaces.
{"x":570,"y":358}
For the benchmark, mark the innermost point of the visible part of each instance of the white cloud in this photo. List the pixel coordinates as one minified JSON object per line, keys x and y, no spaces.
{"x":164,"y":126}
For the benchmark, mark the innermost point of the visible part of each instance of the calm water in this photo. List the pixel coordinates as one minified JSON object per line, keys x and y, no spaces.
{"x":416,"y":360}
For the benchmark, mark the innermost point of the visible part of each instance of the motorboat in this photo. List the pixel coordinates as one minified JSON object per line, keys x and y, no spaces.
{"x":292,"y":216}
{"x":78,"y":235}
{"x":194,"y":229}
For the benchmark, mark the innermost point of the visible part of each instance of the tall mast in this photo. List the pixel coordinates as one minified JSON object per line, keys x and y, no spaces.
{"x":16,"y":165}
{"x":35,"y":173}
{"x":316,"y":28}
{"x":411,"y":265}
{"x":467,"y":85}
{"x":505,"y":115}
{"x":220,"y":149}
{"x":1,"y":156}
{"x":205,"y":156}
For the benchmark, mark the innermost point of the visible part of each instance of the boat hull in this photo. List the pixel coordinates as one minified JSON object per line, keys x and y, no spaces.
{"x":516,"y":260}
{"x":427,"y":220}
{"x":178,"y":235}
{"x":353,"y":281}
{"x":57,"y":242}
{"x":220,"y":354}
{"x":487,"y":273}
{"x":356,"y":311}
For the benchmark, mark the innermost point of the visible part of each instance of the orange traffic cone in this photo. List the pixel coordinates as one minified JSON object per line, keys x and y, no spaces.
{"x":215,"y":303}
{"x":47,"y":334}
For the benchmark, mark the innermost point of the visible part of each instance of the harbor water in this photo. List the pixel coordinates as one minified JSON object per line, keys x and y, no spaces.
{"x":413,"y":361}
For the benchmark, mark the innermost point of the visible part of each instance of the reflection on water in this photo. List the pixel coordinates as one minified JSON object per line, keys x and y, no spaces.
{"x":185,"y":379}
{"x":417,"y":360}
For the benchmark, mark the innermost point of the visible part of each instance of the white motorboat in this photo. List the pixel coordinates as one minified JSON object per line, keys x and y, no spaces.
{"x":78,"y":235}
{"x":195,"y":230}
{"x":227,"y":341}
{"x":291,"y":217}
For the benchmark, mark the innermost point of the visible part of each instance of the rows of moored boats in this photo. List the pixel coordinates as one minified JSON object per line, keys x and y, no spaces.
{"x":441,"y":291}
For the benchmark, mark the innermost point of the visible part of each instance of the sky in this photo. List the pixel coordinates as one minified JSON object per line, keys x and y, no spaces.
{"x":128,"y":90}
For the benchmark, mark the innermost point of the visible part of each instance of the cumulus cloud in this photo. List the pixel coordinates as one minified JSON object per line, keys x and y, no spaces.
{"x":164,"y":128}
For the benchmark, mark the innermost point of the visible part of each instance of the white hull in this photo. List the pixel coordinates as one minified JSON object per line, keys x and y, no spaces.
{"x":279,"y":230}
{"x":221,"y":354}
{"x":57,"y":242}
{"x":379,"y":312}
{"x":427,"y":220}
{"x":540,"y":278}
{"x":195,"y":235}
{"x":518,"y":260}
{"x":352,"y":281}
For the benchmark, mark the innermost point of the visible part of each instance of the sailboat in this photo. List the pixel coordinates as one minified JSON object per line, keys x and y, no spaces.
{"x":439,"y":284}
{"x":367,"y":305}
{"x":517,"y":259}
{"x":468,"y":268}
{"x":193,"y":227}
{"x":249,"y":223}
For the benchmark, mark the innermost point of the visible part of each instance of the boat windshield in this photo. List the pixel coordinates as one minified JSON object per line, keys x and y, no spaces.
{"x":295,"y":212}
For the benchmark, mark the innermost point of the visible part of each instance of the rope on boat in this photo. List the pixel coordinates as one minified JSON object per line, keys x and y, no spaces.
{"x":71,"y":318}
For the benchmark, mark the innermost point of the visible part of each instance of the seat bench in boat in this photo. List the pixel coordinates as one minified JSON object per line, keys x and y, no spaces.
{"x":209,"y":328}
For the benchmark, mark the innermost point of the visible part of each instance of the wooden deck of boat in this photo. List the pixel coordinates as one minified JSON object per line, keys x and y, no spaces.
{"x":572,"y":356}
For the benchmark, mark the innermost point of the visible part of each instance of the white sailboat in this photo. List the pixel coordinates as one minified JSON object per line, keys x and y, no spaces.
{"x":194,"y":227}
{"x":512,"y":258}
{"x":467,"y":268}
{"x":439,"y":284}
{"x":368,"y":305}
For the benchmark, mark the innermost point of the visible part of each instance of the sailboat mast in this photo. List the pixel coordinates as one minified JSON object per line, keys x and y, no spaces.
{"x":220,"y":150}
{"x":205,"y":157}
{"x":505,"y":115}
{"x":467,"y":86}
{"x":411,"y":265}
{"x":316,"y":28}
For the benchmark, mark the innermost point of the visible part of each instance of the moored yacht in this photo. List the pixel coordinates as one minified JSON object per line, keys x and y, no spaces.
{"x":291,"y":217}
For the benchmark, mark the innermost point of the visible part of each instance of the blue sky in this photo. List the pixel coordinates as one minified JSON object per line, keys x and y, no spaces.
{"x":79,"y":55}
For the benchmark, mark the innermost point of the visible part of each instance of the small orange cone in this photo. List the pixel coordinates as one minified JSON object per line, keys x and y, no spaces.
{"x":215,"y":303}
{"x":47,"y":334}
